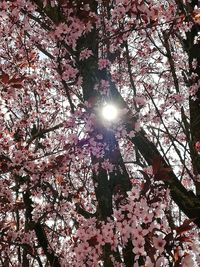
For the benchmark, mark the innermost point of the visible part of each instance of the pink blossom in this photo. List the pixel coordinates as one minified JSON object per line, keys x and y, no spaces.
{"x":139,"y":100}
{"x":69,"y":72}
{"x":197,"y":146}
{"x":194,"y":63}
{"x":107,"y":165}
{"x":188,"y":261}
{"x":148,"y":262}
{"x":138,"y":247}
{"x":103,"y":63}
{"x":159,"y":243}
{"x":118,"y":12}
{"x":73,"y":138}
{"x":85,"y":54}
{"x":138,"y":233}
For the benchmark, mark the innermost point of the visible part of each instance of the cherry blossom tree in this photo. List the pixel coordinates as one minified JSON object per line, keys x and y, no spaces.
{"x":78,"y":189}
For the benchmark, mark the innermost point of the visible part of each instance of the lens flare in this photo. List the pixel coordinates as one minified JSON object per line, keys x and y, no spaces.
{"x":109,"y":112}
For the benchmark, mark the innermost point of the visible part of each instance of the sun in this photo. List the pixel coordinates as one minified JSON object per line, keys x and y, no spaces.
{"x":109,"y":112}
